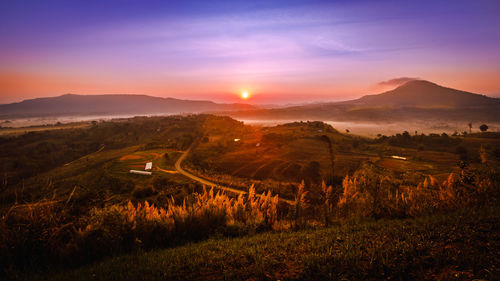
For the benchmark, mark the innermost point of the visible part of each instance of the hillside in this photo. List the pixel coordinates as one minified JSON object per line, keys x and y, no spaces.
{"x":71,"y":104}
{"x":443,"y":247}
{"x":68,"y":201}
{"x":414,"y":100}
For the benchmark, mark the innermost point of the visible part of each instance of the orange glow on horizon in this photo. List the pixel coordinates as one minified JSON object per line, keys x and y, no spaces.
{"x":16,"y":86}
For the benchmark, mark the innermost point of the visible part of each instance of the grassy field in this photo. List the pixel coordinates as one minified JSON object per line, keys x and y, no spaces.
{"x":462,"y":245}
{"x":107,"y":172}
{"x":138,"y":160}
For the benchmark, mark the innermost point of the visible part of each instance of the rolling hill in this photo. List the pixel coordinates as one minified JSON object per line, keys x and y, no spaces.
{"x":414,"y":100}
{"x":71,"y":104}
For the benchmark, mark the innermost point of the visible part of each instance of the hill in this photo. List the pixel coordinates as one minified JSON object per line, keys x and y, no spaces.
{"x":71,"y":104}
{"x":414,"y":100}
{"x":67,"y":199}
{"x":425,"y":94}
{"x":445,"y":247}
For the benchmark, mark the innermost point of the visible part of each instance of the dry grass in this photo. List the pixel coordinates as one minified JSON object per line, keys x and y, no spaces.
{"x":46,"y":231}
{"x":55,"y":232}
{"x":370,"y":194}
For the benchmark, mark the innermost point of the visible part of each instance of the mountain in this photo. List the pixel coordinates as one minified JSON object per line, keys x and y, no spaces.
{"x":415,"y":100}
{"x":425,"y":94}
{"x":71,"y":104}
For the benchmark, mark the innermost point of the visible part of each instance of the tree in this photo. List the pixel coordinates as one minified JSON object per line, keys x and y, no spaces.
{"x":483,"y":128}
{"x":470,"y":127}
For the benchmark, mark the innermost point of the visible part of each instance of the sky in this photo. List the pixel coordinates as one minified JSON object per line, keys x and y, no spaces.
{"x":280,"y":52}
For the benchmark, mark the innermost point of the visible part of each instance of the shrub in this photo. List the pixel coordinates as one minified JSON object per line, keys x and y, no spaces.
{"x":369,"y":194}
{"x":33,"y":233}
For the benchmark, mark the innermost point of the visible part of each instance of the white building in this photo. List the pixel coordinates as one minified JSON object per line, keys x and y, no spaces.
{"x":140,"y":172}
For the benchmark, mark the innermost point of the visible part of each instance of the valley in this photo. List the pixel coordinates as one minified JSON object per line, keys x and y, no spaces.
{"x":89,"y":191}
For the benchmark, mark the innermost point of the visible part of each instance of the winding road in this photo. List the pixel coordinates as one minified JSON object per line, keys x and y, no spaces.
{"x":209,"y":183}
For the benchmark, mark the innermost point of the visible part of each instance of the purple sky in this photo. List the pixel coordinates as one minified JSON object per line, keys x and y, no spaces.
{"x":278,"y":51}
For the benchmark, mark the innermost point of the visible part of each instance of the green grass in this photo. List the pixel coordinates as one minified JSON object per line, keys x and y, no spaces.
{"x":460,"y":246}
{"x":170,"y":163}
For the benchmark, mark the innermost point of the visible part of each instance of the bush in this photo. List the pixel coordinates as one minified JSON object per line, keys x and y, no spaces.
{"x":32,"y":234}
{"x":370,"y":194}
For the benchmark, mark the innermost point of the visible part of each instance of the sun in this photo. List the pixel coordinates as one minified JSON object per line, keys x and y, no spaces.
{"x":244,"y":95}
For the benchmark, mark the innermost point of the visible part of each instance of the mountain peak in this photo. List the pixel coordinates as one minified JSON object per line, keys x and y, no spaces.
{"x":425,"y":94}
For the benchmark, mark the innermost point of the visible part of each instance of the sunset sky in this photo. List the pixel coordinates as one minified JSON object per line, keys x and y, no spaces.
{"x":277,"y":51}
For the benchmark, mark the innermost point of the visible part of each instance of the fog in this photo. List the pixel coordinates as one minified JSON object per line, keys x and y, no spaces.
{"x":39,"y":121}
{"x":389,"y":128}
{"x":357,"y":128}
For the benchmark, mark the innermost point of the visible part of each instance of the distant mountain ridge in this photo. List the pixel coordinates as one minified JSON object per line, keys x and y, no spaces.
{"x":414,"y":100}
{"x":71,"y":104}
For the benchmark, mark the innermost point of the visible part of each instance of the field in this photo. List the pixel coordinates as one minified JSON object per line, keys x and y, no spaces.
{"x":224,"y":151}
{"x":456,"y":246}
{"x":138,"y":160}
{"x":294,"y":201}
{"x":284,"y":155}
{"x":93,"y":160}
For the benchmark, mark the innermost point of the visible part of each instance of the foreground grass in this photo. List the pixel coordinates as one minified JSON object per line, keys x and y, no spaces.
{"x":460,"y":246}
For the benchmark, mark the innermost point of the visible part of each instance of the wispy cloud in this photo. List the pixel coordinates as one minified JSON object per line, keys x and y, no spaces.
{"x":397,"y":81}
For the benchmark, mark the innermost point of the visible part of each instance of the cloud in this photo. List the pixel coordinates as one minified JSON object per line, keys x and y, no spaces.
{"x":397,"y":81}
